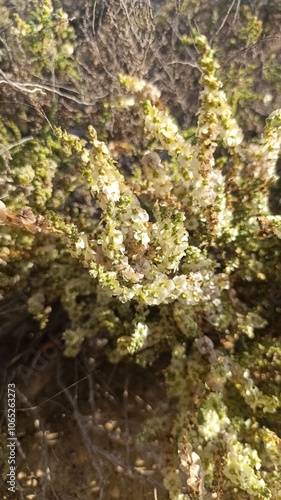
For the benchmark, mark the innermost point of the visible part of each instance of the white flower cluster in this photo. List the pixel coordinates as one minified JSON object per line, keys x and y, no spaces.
{"x":215,"y":115}
{"x":136,"y":258}
{"x":223,"y":365}
{"x":196,"y":181}
{"x":137,"y":339}
{"x":251,"y":460}
{"x":125,"y":221}
{"x":160,"y":125}
{"x":242,"y":466}
{"x":132,"y":84}
{"x":190,"y":464}
{"x":254,"y":397}
{"x":265,"y":155}
{"x":130,"y":256}
{"x":141,"y":89}
{"x":173,"y":484}
{"x":169,"y":237}
{"x":215,"y":417}
{"x":156,"y":179}
{"x":272,"y":446}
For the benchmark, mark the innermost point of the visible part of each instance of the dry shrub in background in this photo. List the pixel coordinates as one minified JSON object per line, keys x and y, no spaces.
{"x":150,"y":238}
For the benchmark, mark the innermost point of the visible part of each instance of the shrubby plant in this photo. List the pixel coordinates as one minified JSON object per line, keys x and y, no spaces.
{"x":181,"y":249}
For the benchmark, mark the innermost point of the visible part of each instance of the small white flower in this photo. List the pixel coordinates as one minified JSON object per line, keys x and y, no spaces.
{"x":112,"y":191}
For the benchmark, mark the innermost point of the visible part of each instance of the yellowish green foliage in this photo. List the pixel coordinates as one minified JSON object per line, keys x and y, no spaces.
{"x":46,"y":39}
{"x":184,"y":235}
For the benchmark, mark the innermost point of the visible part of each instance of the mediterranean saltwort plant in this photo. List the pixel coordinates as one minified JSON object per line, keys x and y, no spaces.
{"x":188,"y":236}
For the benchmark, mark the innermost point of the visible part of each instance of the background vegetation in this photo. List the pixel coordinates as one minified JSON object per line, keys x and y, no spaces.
{"x":123,"y":391}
